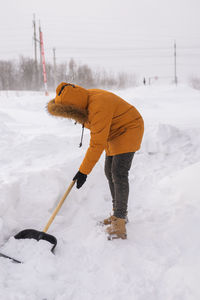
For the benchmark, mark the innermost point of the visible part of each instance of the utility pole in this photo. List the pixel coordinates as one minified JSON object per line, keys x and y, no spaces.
{"x":35,"y":39}
{"x":54,"y":66}
{"x":43,"y":62}
{"x":175,"y":69}
{"x":40,"y":63}
{"x":35,"y":52}
{"x":40,"y":46}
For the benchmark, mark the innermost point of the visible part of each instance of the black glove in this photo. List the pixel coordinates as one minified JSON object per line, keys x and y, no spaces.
{"x":80,"y":179}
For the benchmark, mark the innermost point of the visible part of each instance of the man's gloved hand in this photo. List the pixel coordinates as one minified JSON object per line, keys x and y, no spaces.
{"x":80,"y":179}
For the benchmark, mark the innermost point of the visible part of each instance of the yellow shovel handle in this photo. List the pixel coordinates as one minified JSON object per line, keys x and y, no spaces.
{"x":59,"y":206}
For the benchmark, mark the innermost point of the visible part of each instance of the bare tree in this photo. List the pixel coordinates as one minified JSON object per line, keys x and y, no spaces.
{"x":7,"y":75}
{"x":26,"y":73}
{"x":61,"y":73}
{"x":72,"y":70}
{"x":195,"y":82}
{"x":85,"y":76}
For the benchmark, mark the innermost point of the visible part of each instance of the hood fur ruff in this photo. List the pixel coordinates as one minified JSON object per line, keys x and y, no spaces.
{"x":80,"y":115}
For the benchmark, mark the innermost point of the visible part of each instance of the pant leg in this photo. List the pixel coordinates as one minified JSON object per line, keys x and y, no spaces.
{"x":108,"y":173}
{"x":121,"y":165}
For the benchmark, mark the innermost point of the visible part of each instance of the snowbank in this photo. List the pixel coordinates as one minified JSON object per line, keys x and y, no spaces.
{"x":39,"y":156}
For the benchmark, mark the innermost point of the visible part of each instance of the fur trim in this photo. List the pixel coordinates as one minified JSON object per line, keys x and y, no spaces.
{"x":68,"y":111}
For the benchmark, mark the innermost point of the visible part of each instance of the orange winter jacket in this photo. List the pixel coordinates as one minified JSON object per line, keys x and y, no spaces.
{"x":115,"y":125}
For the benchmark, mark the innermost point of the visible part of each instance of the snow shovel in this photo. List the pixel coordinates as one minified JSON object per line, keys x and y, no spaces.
{"x":42,"y":235}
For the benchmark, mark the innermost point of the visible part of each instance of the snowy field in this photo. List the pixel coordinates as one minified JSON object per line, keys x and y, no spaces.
{"x":39,"y":155}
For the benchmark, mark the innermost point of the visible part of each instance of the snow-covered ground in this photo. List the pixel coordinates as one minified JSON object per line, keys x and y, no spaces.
{"x":39,"y":155}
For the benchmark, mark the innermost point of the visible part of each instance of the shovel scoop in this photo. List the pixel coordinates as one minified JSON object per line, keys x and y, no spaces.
{"x":37,"y":235}
{"x":42,"y":235}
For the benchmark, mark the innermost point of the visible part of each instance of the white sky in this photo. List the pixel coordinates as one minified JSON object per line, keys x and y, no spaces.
{"x":119,"y":35}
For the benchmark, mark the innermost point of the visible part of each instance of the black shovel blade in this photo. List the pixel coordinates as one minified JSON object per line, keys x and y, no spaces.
{"x":37,"y":235}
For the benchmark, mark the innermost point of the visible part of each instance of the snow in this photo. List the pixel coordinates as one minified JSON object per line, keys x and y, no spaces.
{"x":39,"y":155}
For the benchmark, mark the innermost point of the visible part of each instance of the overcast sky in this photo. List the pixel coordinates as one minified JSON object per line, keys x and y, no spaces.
{"x":119,"y":35}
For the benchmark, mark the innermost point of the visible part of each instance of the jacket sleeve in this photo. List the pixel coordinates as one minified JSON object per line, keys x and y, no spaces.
{"x":99,"y":131}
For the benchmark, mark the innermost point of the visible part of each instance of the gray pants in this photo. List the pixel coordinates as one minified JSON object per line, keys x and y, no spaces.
{"x":116,"y":170}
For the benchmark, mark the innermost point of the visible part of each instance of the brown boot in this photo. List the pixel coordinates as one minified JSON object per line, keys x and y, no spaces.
{"x":117,"y":229}
{"x":108,"y":221}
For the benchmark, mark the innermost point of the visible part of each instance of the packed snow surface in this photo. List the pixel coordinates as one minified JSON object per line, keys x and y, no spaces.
{"x":39,"y":155}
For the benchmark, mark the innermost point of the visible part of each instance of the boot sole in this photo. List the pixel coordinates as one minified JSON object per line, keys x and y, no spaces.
{"x":117,"y":236}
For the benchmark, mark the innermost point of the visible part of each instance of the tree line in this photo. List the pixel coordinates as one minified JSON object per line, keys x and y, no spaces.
{"x":25,"y":74}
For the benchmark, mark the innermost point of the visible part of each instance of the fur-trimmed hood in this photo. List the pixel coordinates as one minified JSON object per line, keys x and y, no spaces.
{"x":80,"y":115}
{"x":71,"y":102}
